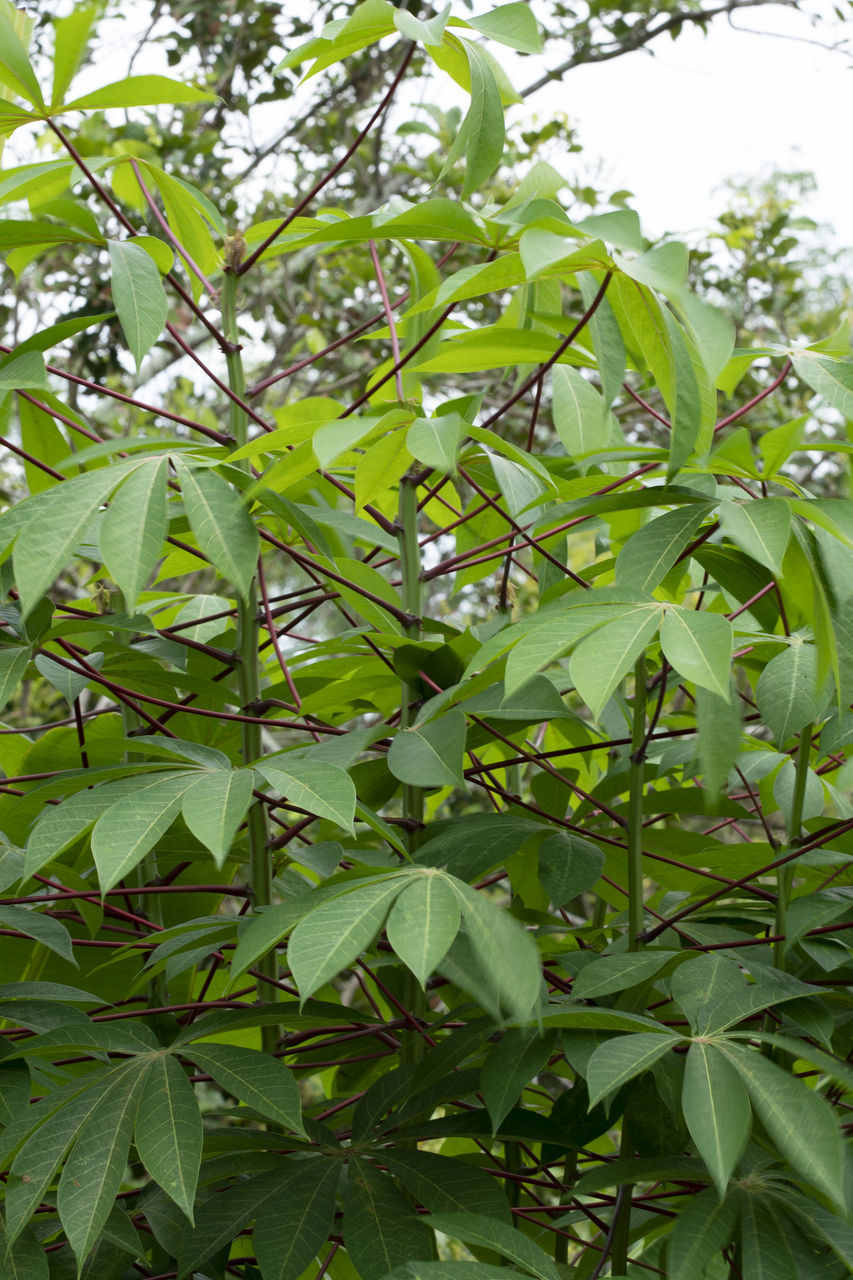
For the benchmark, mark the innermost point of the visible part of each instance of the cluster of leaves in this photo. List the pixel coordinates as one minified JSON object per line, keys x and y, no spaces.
{"x":500,"y":920}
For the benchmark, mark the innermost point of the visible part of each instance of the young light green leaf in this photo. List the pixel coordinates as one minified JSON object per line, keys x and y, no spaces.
{"x":169,"y":1132}
{"x":483,"y":126}
{"x":381,"y":1229}
{"x":703,"y":1226}
{"x":430,"y":754}
{"x":332,"y":937}
{"x":434,"y":441}
{"x":222,"y":525}
{"x":604,"y":658}
{"x":716,"y":1111}
{"x":787,"y":693}
{"x":16,"y":64}
{"x":139,"y":91}
{"x":134,"y":823}
{"x":552,"y":635}
{"x":316,"y":785}
{"x":134,"y":527}
{"x":71,"y":38}
{"x":511,"y":24}
{"x":621,"y":1059}
{"x":491,"y":1233}
{"x":214,"y":807}
{"x":138,"y":296}
{"x":798,"y":1120}
{"x":423,"y":922}
{"x":832,"y":379}
{"x":262,"y":1082}
{"x":429,"y":32}
{"x":761,"y":529}
{"x":699,"y":647}
{"x":648,"y":556}
{"x":95,"y":1168}
{"x":297,"y":1220}
{"x":510,"y":1065}
{"x":580,"y":414}
{"x":26,"y":371}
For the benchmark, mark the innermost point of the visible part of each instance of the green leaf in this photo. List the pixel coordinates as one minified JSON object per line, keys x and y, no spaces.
{"x":220,"y":1218}
{"x":14,"y":61}
{"x":296,"y":1222}
{"x":222,"y":525}
{"x":446,"y":1185}
{"x":41,"y":928}
{"x":481,"y":135}
{"x":138,"y":296}
{"x":716,"y":1111}
{"x":13,"y":664}
{"x":26,"y":1260}
{"x":423,"y":922}
{"x":214,"y":807}
{"x":134,"y":527}
{"x":430,"y":32}
{"x":832,"y":379}
{"x":50,"y":525}
{"x":761,"y":529}
{"x":491,"y":1233}
{"x":508,"y":955}
{"x":703,"y":1226}
{"x":765,"y":1254}
{"x":262,"y":1082}
{"x":70,"y":40}
{"x":430,"y":754}
{"x":699,"y":647}
{"x":550,"y":636}
{"x":140,"y":91}
{"x":169,"y":1132}
{"x":381,"y":1229}
{"x":799,"y":1121}
{"x":24,"y":371}
{"x":719,"y":725}
{"x":648,"y":556}
{"x":95,"y":1168}
{"x":315,"y":785}
{"x":786,"y":693}
{"x":604,"y":658}
{"x":133,"y":824}
{"x":620,"y":1059}
{"x":68,"y":683}
{"x":510,"y":1065}
{"x":511,"y":24}
{"x":580,"y":414}
{"x":606,"y":974}
{"x":332,"y":937}
{"x":434,"y":441}
{"x":568,"y":866}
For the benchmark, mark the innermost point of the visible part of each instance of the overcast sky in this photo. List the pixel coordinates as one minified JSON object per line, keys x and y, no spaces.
{"x":673,"y":127}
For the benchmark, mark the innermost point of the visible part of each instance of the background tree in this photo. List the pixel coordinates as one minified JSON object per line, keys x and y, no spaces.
{"x":428,"y":640}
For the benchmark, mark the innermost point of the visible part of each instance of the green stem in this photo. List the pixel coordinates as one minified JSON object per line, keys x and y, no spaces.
{"x":248,"y":627}
{"x":570,"y":1176}
{"x":622,"y":1223}
{"x":414,"y":997}
{"x":795,"y":825}
{"x":635,"y":808}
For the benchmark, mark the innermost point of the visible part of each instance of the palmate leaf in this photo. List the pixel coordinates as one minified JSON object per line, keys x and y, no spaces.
{"x":262,"y":1082}
{"x":507,"y":955}
{"x":381,"y":1229}
{"x":26,"y":1260}
{"x":648,"y":556}
{"x":220,"y":1218}
{"x":622,"y":1058}
{"x":138,"y":296}
{"x":510,"y":1065}
{"x":430,"y":754}
{"x":316,"y":785}
{"x":222,"y":526}
{"x":702,"y":1228}
{"x":94,"y":1170}
{"x":132,"y":825}
{"x":699,"y":646}
{"x":423,"y":922}
{"x":134,"y":527}
{"x":214,"y":807}
{"x":446,"y":1185}
{"x":787,"y":691}
{"x":41,"y":928}
{"x":168,"y":1131}
{"x":761,"y":529}
{"x":491,"y":1233}
{"x":798,"y":1120}
{"x":716,"y":1110}
{"x":297,"y":1218}
{"x":332,"y":937}
{"x":765,"y":1254}
{"x":139,"y":91}
{"x":604,"y":658}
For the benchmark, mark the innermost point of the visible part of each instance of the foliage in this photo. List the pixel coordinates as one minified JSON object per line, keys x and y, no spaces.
{"x":426,"y":835}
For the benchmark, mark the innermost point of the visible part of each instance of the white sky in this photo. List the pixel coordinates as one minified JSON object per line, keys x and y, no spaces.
{"x":673,"y":127}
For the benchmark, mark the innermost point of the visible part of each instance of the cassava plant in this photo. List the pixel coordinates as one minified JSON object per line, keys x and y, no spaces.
{"x":426,"y":835}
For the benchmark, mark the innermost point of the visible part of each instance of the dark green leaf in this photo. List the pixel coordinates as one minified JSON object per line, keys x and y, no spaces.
{"x":168,"y":1131}
{"x":262,"y":1082}
{"x":381,"y":1229}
